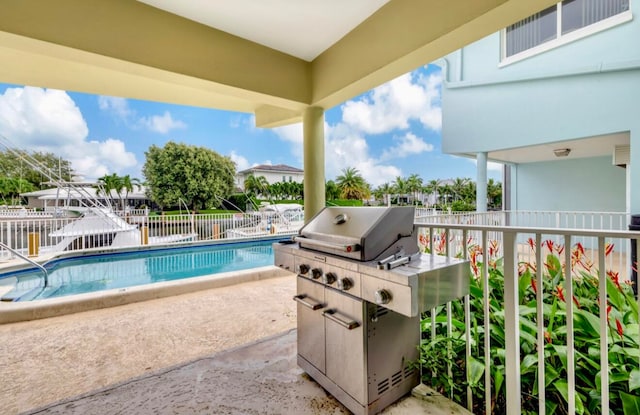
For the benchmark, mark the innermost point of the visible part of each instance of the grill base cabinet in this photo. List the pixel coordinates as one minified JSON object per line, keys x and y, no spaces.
{"x":362,"y":285}
{"x":359,"y":352}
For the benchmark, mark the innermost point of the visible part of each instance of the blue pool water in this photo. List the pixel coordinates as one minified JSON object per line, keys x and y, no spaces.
{"x":119,"y":270}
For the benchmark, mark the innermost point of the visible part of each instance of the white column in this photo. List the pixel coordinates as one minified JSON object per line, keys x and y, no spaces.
{"x":481,"y":182}
{"x":314,"y":186}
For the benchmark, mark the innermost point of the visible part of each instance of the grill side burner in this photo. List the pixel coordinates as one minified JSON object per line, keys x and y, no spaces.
{"x":359,"y":320}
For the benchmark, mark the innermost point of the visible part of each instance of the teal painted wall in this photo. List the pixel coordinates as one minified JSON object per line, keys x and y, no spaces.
{"x":592,"y":184}
{"x":585,"y":88}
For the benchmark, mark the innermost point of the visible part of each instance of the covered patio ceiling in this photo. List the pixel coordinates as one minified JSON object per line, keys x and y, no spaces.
{"x":595,"y":146}
{"x":273,"y":58}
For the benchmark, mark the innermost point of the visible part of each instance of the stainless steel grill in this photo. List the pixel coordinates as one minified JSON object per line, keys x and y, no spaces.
{"x":361,"y":287}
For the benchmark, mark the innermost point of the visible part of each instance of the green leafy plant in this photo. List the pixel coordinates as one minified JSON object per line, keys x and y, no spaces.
{"x":441,"y":355}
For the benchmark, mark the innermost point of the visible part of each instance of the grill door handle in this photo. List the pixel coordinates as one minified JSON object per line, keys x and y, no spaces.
{"x":349,"y":325}
{"x":301,"y":299}
{"x":329,"y":245}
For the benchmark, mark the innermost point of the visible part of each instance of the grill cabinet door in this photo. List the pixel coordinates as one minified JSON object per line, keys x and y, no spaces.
{"x":345,"y":343}
{"x":311,"y":334}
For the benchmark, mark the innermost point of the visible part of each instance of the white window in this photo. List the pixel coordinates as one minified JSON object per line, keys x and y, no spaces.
{"x":562,"y":23}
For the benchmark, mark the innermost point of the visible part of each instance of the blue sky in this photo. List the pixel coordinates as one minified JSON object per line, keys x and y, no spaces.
{"x":392,"y":130}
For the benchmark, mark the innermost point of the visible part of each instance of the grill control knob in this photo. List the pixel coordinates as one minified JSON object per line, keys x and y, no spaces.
{"x":304,"y":268}
{"x":382,"y":297}
{"x":316,"y":273}
{"x":329,"y":278}
{"x":344,"y":284}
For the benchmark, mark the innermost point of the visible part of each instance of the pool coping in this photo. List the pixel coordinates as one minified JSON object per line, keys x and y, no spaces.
{"x":13,"y":312}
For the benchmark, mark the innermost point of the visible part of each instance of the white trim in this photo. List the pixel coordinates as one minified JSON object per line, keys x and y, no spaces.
{"x":563,"y":39}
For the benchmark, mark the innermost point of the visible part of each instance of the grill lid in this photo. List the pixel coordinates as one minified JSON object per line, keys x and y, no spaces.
{"x":361,"y":233}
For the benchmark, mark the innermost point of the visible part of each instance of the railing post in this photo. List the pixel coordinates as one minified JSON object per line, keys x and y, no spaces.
{"x":511,"y":323}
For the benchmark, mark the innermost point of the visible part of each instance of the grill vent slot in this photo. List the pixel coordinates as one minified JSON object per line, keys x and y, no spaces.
{"x":381,"y":311}
{"x":408,"y":371}
{"x":396,"y":378}
{"x":383,"y":386}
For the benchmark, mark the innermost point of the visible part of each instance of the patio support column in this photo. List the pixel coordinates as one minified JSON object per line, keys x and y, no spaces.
{"x":313,"y":145}
{"x":481,"y":182}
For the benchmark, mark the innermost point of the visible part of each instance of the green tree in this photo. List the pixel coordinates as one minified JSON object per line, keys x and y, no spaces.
{"x":400,"y":188}
{"x":197,"y":175}
{"x":256,"y":185}
{"x":331,"y":190}
{"x":383,"y":192}
{"x":432,"y":189}
{"x":109,"y":183}
{"x":11,"y":187}
{"x":13,"y":165}
{"x":494,"y":193}
{"x":458,"y":186}
{"x":414,"y":185}
{"x":352,"y":185}
{"x":128,"y":184}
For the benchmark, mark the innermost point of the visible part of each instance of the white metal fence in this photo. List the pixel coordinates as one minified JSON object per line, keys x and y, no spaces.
{"x":495,"y":245}
{"x":16,"y":232}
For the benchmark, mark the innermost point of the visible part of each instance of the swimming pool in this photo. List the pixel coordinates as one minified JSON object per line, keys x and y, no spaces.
{"x":88,"y":274}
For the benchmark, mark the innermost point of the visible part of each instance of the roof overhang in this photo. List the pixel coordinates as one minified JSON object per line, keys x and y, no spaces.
{"x":128,"y":48}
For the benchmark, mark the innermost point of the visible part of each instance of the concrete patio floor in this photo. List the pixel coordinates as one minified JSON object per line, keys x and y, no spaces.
{"x":229,"y":350}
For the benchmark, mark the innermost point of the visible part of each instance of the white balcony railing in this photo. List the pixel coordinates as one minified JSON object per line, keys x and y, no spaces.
{"x":525,"y":260}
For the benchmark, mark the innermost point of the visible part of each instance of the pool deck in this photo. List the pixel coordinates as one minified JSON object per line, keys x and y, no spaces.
{"x":228,"y":350}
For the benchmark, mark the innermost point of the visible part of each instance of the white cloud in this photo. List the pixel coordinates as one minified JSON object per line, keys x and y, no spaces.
{"x":241,"y":162}
{"x":348,"y":149}
{"x":115,"y":105}
{"x":119,"y":108}
{"x":48,"y":120}
{"x":162,"y":123}
{"x":393,"y":105}
{"x":408,"y":144}
{"x":491,"y":165}
{"x":390,"y":107}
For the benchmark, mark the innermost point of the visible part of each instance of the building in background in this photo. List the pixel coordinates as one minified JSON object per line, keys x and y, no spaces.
{"x":556,"y":97}
{"x":273,"y":173}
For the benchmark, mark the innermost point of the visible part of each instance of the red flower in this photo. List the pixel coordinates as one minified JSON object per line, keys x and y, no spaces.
{"x":532,"y":244}
{"x":580,"y":248}
{"x":614,"y":278}
{"x":422,"y":239}
{"x":619,"y":327}
{"x":575,"y":301}
{"x":560,"y":293}
{"x":534,"y":285}
{"x":608,"y":249}
{"x":547,"y":337}
{"x":549,"y":244}
{"x":560,"y":249}
{"x":608,"y":311}
{"x":493,"y":247}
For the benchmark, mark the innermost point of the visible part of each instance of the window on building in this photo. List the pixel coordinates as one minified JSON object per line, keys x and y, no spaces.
{"x":559,"y":20}
{"x":290,"y":178}
{"x":284,"y":179}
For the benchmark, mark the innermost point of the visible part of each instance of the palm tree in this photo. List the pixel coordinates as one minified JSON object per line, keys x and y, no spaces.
{"x":331,"y":190}
{"x":400,"y":187}
{"x":458,"y":186}
{"x":432,"y":189}
{"x":256,"y":185}
{"x":494,"y":193}
{"x":385,"y":190}
{"x":128,"y":183}
{"x":414,"y":185}
{"x":352,"y":185}
{"x":110,"y":182}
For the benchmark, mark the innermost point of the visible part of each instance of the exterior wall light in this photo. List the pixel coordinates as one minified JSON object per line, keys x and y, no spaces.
{"x":562,"y":152}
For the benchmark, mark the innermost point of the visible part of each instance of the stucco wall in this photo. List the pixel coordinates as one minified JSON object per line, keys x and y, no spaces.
{"x":592,"y":184}
{"x":585,"y":88}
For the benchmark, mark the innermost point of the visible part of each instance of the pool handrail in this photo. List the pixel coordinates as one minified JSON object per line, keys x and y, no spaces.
{"x":32,"y":262}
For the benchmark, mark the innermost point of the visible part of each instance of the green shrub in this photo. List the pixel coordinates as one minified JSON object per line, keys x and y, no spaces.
{"x":344,"y":202}
{"x":439,"y":354}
